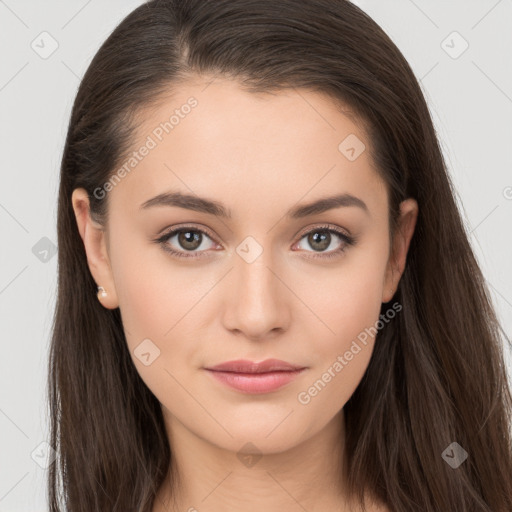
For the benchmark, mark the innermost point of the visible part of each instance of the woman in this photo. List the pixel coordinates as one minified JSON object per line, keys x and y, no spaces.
{"x":267,"y":298}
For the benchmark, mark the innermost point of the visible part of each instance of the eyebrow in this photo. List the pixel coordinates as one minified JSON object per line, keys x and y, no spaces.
{"x":203,"y":205}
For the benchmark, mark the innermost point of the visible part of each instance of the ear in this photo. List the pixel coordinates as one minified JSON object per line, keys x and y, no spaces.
{"x":94,"y":236}
{"x":400,"y":247}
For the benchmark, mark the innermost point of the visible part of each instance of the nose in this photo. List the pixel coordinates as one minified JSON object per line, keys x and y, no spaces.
{"x":258,"y":302}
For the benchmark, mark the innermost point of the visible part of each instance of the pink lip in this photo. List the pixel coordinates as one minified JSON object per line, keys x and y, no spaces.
{"x":251,"y":377}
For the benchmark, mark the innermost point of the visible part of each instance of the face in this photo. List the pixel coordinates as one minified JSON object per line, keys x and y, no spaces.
{"x":269,"y":278}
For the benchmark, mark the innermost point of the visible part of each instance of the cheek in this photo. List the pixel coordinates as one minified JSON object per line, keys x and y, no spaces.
{"x":349,"y":304}
{"x":153,"y":291}
{"x":350,"y":298}
{"x":156,"y":301}
{"x":167,"y":303}
{"x":342,"y":358}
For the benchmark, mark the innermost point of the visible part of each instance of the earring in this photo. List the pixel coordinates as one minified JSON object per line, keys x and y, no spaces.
{"x":101,"y":291}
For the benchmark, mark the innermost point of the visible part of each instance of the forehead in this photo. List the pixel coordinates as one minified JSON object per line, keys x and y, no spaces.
{"x":213,"y":139}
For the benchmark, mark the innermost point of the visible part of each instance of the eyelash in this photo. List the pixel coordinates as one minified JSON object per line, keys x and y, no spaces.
{"x":348,"y":241}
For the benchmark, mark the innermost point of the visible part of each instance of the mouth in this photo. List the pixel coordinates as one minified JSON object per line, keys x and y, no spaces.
{"x":255,"y":378}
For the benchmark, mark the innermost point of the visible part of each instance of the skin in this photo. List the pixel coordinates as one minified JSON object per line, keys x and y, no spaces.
{"x":259,"y":155}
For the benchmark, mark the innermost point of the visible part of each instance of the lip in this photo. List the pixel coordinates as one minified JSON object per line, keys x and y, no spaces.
{"x":251,"y":377}
{"x":245,"y":366}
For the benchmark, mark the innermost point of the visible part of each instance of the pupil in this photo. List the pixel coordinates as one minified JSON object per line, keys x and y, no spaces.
{"x":323,"y":239}
{"x":189,"y":239}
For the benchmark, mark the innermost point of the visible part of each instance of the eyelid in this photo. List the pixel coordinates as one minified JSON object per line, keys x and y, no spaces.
{"x":167,"y":232}
{"x":325,"y":226}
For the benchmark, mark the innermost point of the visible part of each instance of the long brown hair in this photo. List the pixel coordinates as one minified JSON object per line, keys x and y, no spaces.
{"x":437,"y":373}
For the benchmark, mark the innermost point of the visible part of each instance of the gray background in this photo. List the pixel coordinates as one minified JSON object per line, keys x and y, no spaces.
{"x":469,"y":94}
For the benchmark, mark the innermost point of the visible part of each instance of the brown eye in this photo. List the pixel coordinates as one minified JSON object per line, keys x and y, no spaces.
{"x":319,"y":240}
{"x":189,"y":243}
{"x":190,"y":240}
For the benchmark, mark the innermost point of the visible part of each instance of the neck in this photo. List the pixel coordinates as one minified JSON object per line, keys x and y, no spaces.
{"x":309,"y":476}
